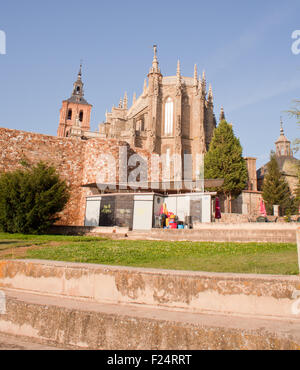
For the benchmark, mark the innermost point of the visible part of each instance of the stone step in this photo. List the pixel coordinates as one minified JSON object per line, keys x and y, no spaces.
{"x":191,"y":291}
{"x":17,"y":343}
{"x":78,"y":323}
{"x":214,"y":232}
{"x":222,"y":233}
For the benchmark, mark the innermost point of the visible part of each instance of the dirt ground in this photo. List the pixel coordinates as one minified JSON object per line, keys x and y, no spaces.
{"x":13,"y":249}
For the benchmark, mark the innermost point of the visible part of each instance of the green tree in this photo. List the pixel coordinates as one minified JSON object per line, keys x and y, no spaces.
{"x":30,"y":199}
{"x":224,"y":160}
{"x":295,"y":112}
{"x":276,"y":190}
{"x":297,"y":192}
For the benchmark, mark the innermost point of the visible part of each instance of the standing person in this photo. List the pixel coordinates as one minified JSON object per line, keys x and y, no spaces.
{"x":218,"y":209}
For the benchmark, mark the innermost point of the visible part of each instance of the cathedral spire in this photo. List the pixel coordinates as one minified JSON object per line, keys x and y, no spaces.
{"x":203,"y":83}
{"x":145,"y":87}
{"x":125,"y":100}
{"x":222,"y":115}
{"x":210,"y":94}
{"x":178,"y":74}
{"x":178,"y":80}
{"x":178,"y":68}
{"x":155,"y":60}
{"x":195,"y":75}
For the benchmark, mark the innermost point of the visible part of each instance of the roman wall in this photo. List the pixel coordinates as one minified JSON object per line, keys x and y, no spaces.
{"x":65,"y":154}
{"x":77,"y":161}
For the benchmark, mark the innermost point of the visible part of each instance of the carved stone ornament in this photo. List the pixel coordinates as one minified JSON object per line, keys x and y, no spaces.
{"x":178,"y":126}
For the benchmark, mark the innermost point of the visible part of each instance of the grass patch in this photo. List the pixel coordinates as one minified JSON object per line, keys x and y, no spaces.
{"x":262,"y":258}
{"x":48,"y":238}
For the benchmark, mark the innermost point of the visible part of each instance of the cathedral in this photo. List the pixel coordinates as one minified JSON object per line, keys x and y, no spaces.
{"x":173,"y":116}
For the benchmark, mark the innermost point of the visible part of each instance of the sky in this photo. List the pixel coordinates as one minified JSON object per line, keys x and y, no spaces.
{"x":245,"y":48}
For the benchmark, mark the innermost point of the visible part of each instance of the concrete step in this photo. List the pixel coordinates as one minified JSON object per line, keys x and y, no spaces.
{"x":244,"y":233}
{"x":213,"y":232}
{"x":191,"y":291}
{"x":14,"y":343}
{"x":78,"y":323}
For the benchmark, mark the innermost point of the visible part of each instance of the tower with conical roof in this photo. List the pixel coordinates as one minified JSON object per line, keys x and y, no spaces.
{"x":287,"y":163}
{"x":75,"y":113}
{"x":283,"y":145}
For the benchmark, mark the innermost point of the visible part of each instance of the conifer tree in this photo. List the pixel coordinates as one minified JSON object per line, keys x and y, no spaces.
{"x":276,"y":190}
{"x":224,"y":160}
{"x":297,"y":192}
{"x":30,"y":199}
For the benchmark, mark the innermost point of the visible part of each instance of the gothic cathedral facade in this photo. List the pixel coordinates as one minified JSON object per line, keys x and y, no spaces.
{"x":173,"y":116}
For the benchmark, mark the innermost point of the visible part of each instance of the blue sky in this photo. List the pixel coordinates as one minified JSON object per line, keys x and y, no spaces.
{"x":244,"y":47}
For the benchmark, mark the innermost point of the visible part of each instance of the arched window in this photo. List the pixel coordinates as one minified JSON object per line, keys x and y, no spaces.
{"x":70,"y":114}
{"x":81,"y":116}
{"x":169,"y":107}
{"x":78,"y":89}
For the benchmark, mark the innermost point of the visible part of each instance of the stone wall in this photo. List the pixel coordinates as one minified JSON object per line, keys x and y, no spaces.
{"x":79,"y":162}
{"x":80,"y":324}
{"x":223,"y":293}
{"x":233,"y":218}
{"x":83,"y":162}
{"x":247,"y":203}
{"x":65,"y":154}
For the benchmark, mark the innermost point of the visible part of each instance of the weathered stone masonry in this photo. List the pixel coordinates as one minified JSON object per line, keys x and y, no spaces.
{"x":65,"y":155}
{"x":76,"y":160}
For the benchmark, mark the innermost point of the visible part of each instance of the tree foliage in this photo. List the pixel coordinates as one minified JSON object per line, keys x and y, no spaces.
{"x":295,"y":112}
{"x":224,"y":160}
{"x":30,"y":199}
{"x":276,"y":190}
{"x":297,"y":191}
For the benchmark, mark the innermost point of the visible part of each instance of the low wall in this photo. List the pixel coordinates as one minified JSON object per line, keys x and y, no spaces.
{"x":86,"y":306}
{"x":85,"y":230}
{"x":244,"y":294}
{"x":67,"y":323}
{"x":217,"y":232}
{"x":234,"y":218}
{"x":220,"y":232}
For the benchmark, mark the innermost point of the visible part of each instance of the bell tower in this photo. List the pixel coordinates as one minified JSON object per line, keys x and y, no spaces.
{"x":75,"y":113}
{"x":283,"y":145}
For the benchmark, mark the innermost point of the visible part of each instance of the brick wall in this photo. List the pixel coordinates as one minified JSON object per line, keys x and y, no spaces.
{"x":65,"y":154}
{"x":78,"y":161}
